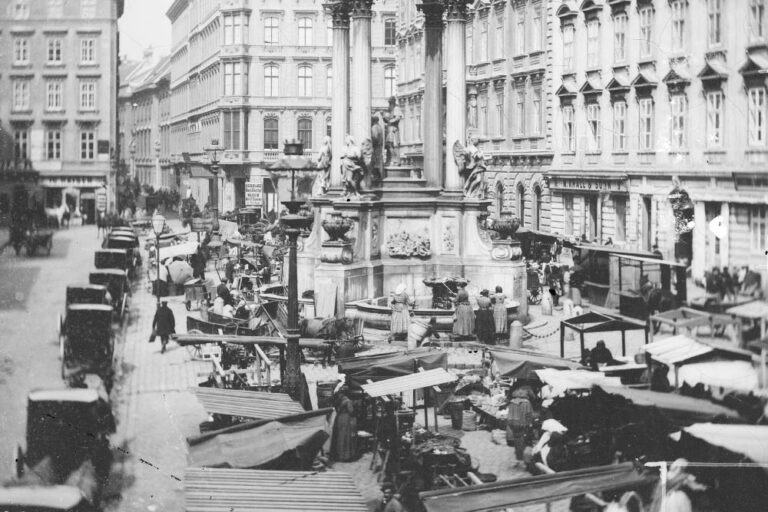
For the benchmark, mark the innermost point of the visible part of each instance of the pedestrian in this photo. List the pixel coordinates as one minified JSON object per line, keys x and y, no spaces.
{"x":164,"y":324}
{"x":714,"y":285}
{"x":729,"y":285}
{"x":344,"y":428}
{"x":389,"y":502}
{"x":229,"y":270}
{"x":485,"y":328}
{"x":555,"y":284}
{"x":463,"y":316}
{"x":400,"y":303}
{"x":500,"y":313}
{"x":601,"y":356}
{"x":519,"y":422}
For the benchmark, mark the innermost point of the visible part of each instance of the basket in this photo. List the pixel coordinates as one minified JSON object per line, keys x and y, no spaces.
{"x":469,"y":421}
{"x":499,"y":437}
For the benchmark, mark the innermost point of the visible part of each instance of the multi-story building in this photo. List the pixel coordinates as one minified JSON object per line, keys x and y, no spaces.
{"x":509,"y":98}
{"x":651,"y":90}
{"x":58,"y":79}
{"x":250,"y":75}
{"x":144,"y":110}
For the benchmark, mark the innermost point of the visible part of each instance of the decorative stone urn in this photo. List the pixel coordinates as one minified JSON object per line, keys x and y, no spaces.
{"x":504,"y":227}
{"x":337,"y":226}
{"x":337,"y":249}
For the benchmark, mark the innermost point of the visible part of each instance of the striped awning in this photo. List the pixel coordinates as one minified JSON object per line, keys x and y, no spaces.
{"x":405,"y":383}
{"x":219,"y":490}
{"x":247,"y":404}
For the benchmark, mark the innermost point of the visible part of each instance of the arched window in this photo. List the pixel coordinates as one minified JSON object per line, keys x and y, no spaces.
{"x":271,"y":80}
{"x":389,"y":81}
{"x":499,"y":199}
{"x":305,"y":31}
{"x":270,"y":133}
{"x":521,"y":203}
{"x":328,"y":127}
{"x":536,"y":208}
{"x":305,"y":132}
{"x":329,"y":81}
{"x":271,"y":31}
{"x":305,"y":80}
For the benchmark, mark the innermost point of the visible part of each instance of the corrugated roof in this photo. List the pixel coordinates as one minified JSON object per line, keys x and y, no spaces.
{"x":677,"y":349}
{"x":217,"y":490}
{"x":405,"y":383}
{"x":749,"y":440}
{"x":248,"y":404}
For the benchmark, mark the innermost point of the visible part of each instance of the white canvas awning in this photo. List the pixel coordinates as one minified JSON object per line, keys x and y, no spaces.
{"x":677,"y":349}
{"x":406,"y":383}
{"x":185,"y":249}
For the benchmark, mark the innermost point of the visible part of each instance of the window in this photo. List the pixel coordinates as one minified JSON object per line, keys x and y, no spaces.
{"x":569,"y":129}
{"x":714,"y":35}
{"x":593,"y":121}
{"x":54,"y":90}
{"x":593,"y":43}
{"x":757,"y":116}
{"x":305,"y":80}
{"x":646,"y":30}
{"x":520,"y":42}
{"x":498,"y":47}
{"x":233,"y":29}
{"x":536,"y":111}
{"x":21,"y":94}
{"x":469,"y":48}
{"x":53,"y":144}
{"x":271,"y":31}
{"x":305,"y":132}
{"x":758,"y":225}
{"x":55,"y":8}
{"x":536,"y":213}
{"x":329,"y":80}
{"x":21,"y":144}
{"x":536,"y":28}
{"x":87,"y":144}
{"x":500,"y":112}
{"x":620,"y":209}
{"x":484,"y":39}
{"x":568,"y":47}
{"x":329,"y":32}
{"x":88,"y":8}
{"x":233,"y":78}
{"x":757,"y":19}
{"x":270,"y":133}
{"x":678,"y":8}
{"x":390,"y":32}
{"x":521,"y":203}
{"x":20,"y":9}
{"x":88,"y":50}
{"x":88,"y":95}
{"x":305,"y":31}
{"x":417,"y":108}
{"x":620,"y":37}
{"x":389,"y":81}
{"x":519,"y":119}
{"x":232,"y":130}
{"x":568,"y":208}
{"x":646,"y":123}
{"x":620,"y":126}
{"x":714,"y":119}
{"x":678,"y":109}
{"x":20,"y":50}
{"x":328,"y":127}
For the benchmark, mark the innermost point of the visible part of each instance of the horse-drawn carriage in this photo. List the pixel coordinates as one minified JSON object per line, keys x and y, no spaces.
{"x":31,"y":238}
{"x":86,"y":342}
{"x":129,"y":242}
{"x":119,"y":259}
{"x":82,"y":294}
{"x":116,"y":282}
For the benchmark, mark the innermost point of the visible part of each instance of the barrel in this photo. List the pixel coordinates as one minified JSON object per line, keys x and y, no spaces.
{"x":325,"y":394}
{"x":468,"y":421}
{"x":456,"y":409}
{"x":416,"y":332}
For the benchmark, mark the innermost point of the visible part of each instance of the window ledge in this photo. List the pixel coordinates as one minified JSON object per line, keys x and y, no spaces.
{"x":620,"y":153}
{"x":757,"y":44}
{"x":88,"y":64}
{"x":497,"y":138}
{"x":650,"y":59}
{"x":593,"y":69}
{"x":679,"y":152}
{"x":714,"y":151}
{"x":54,"y":64}
{"x":21,"y":65}
{"x":24,"y":111}
{"x":593,"y":152}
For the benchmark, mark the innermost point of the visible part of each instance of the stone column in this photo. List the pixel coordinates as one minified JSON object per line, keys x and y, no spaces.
{"x":339,"y":12}
{"x":725,"y":243}
{"x":456,"y":94}
{"x":698,"y":263}
{"x":432,"y":115}
{"x":360,"y":118}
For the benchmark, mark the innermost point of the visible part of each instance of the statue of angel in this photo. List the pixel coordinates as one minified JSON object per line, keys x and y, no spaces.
{"x":472,"y":164}
{"x":355,"y":162}
{"x":323,"y":163}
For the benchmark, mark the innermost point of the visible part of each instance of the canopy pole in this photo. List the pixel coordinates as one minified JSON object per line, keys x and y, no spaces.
{"x":623,"y":343}
{"x":562,"y":339}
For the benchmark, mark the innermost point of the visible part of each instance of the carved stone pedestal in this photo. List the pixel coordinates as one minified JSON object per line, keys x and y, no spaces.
{"x":337,"y":252}
{"x":504,"y":250}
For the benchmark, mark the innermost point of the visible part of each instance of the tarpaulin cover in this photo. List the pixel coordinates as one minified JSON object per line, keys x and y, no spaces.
{"x":264,"y":446}
{"x":748,"y":440}
{"x":535,"y":490}
{"x":739,"y":375}
{"x":523,"y":365}
{"x":563,"y":380}
{"x":385,"y":366}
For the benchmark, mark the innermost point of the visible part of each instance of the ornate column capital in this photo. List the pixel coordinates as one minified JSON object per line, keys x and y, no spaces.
{"x":339,"y":11}
{"x":433,"y":13}
{"x":456,"y":10}
{"x":361,"y":8}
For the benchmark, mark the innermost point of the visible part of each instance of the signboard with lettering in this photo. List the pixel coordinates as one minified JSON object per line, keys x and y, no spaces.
{"x":101,"y":200}
{"x":589,"y":183}
{"x":253,"y":194}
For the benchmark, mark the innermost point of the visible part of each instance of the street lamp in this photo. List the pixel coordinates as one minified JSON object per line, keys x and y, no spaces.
{"x":294,"y":222}
{"x":158,"y":224}
{"x":213,"y":155}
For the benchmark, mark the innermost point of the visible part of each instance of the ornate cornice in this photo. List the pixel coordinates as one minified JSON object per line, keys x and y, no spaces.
{"x":339,"y":12}
{"x":433,"y":14}
{"x":456,"y":10}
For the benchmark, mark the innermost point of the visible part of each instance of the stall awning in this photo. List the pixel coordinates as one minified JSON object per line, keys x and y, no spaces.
{"x":216,"y":490}
{"x":651,"y":261}
{"x":739,"y":375}
{"x":677,"y":349}
{"x":748,"y":440}
{"x":185,"y":249}
{"x":247,"y":404}
{"x":386,"y":366}
{"x":536,"y":489}
{"x":563,"y":380}
{"x":523,"y":365}
{"x":407,"y":383}
{"x":235,"y":339}
{"x":755,"y":310}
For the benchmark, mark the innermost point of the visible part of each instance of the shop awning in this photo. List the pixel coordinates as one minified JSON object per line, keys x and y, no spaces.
{"x":185,"y":249}
{"x":738,"y":375}
{"x":418,"y":380}
{"x":651,"y":261}
{"x":748,"y":440}
{"x":534,"y":490}
{"x":217,"y":490}
{"x":523,"y":365}
{"x":247,"y":404}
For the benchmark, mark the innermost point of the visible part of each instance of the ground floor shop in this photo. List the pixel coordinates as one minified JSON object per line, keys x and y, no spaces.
{"x":79,"y":197}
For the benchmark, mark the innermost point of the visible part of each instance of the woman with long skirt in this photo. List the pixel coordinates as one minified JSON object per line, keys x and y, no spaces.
{"x":401,"y":313}
{"x":464,"y":317}
{"x":500,"y":313}
{"x":343,"y":442}
{"x":484,"y":319}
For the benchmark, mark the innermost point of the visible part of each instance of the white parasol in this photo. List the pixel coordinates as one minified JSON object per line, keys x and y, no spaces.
{"x":180,"y":272}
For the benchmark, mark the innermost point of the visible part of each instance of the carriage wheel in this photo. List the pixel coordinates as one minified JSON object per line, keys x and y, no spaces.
{"x":195,"y":351}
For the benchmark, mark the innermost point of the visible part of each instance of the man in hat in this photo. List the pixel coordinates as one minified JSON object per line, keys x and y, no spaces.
{"x":389,"y":502}
{"x":164,"y":324}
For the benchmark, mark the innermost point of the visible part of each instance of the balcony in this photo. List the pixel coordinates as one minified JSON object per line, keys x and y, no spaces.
{"x":257,"y":156}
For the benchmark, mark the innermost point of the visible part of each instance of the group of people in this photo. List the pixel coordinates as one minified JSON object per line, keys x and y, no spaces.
{"x":723,"y":285}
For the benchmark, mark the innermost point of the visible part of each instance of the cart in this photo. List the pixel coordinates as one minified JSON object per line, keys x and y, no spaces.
{"x":87,"y":343}
{"x":535,"y":290}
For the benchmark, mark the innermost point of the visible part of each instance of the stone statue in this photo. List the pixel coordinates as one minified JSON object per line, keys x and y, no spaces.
{"x":392,"y":118}
{"x":354,"y":163}
{"x":377,"y":141}
{"x":472,"y":164}
{"x":472,"y":110}
{"x":323,"y":163}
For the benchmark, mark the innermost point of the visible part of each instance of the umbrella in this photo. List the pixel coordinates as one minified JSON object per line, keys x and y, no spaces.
{"x":180,"y":272}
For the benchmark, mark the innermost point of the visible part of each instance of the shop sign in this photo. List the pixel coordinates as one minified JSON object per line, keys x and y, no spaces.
{"x":253,"y":194}
{"x":587,"y":183}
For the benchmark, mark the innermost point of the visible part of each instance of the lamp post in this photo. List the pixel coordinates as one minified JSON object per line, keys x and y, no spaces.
{"x":158,"y":224}
{"x":213,"y":155}
{"x":294,"y":222}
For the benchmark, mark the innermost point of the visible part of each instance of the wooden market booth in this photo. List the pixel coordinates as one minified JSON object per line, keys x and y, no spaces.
{"x":589,"y":323}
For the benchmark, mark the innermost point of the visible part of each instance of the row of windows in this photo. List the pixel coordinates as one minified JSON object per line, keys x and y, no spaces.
{"x":52,"y":149}
{"x":303,"y":132}
{"x":528,"y":22}
{"x":54,"y":94}
{"x":54,"y":9}
{"x":54,"y":50}
{"x":234,"y":33}
{"x":678,"y":122}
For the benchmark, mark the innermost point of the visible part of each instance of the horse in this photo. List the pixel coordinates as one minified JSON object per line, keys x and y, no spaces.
{"x":60,"y":214}
{"x":327,"y":328}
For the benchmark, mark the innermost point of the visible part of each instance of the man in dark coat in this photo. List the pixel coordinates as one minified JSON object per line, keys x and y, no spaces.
{"x":164,"y":324}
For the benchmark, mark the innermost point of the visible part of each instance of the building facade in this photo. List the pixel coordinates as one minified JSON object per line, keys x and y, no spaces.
{"x":58,"y":79}
{"x":651,"y":91}
{"x":250,"y":75}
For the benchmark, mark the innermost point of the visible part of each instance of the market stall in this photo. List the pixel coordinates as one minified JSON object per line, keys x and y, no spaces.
{"x":520,"y":364}
{"x":691,"y":320}
{"x":377,"y":367}
{"x":234,"y":405}
{"x":755,"y":315}
{"x":590,"y":323}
